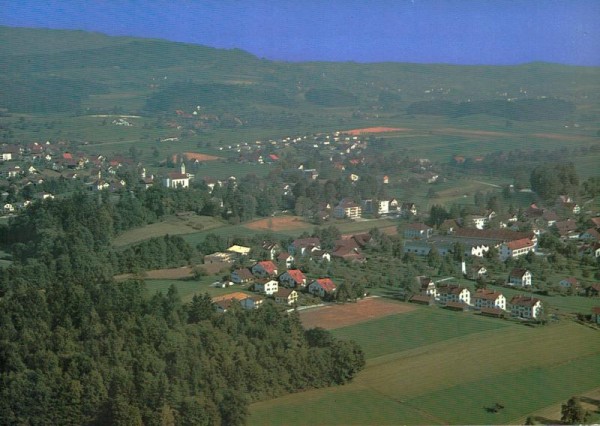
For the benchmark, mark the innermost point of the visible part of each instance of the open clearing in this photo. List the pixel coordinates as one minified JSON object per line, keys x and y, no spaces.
{"x":279,"y":223}
{"x":356,"y":132}
{"x":174,"y":225}
{"x":431,"y":366}
{"x":336,"y":316}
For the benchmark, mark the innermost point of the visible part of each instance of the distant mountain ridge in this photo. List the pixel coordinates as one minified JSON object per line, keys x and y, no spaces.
{"x":70,"y":70}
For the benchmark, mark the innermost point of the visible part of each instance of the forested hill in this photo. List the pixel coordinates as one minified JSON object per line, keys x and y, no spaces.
{"x":48,"y":71}
{"x":78,"y":348}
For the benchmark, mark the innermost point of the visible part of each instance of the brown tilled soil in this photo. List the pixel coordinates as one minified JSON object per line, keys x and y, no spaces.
{"x":356,"y":132}
{"x":336,"y":316}
{"x":278,"y":223}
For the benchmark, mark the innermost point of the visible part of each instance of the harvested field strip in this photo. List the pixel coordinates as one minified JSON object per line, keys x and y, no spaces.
{"x":279,"y":223}
{"x":336,"y":316}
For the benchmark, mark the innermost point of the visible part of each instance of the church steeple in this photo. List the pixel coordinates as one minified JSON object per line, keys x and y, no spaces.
{"x":182,"y":168}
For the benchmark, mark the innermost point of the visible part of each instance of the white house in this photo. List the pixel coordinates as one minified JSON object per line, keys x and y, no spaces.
{"x":484,"y":298}
{"x":286,"y":296}
{"x":525,"y":307}
{"x":516,"y":248}
{"x":347,"y":209}
{"x":427,"y":287}
{"x":266,"y":286}
{"x":520,"y":277}
{"x":453,"y":293}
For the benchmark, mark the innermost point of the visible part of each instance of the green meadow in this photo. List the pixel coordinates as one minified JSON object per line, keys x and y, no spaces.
{"x":436,"y":367}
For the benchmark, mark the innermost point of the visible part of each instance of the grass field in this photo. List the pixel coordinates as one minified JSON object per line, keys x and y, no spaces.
{"x":187,"y":289}
{"x":436,"y":367}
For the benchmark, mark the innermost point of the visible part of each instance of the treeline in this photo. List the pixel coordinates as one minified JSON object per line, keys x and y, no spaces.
{"x":78,"y":348}
{"x":169,"y":251}
{"x":518,"y":110}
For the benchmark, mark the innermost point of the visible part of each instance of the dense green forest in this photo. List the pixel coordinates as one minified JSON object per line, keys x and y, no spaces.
{"x":77,"y":347}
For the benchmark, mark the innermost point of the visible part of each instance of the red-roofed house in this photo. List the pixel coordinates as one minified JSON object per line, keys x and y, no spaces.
{"x":265,"y":268}
{"x":519,"y":277}
{"x":516,"y":248}
{"x":293,"y":278}
{"x":321,"y":287}
{"x":525,"y":307}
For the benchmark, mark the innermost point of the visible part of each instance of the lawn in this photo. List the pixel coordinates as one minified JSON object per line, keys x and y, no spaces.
{"x":433,"y":379}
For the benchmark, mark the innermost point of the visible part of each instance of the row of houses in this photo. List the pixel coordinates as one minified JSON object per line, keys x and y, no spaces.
{"x":490,"y":302}
{"x":420,"y":239}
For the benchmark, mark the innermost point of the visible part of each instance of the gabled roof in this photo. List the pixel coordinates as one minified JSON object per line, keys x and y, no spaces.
{"x":450,"y":289}
{"x":326,"y":284}
{"x":244,"y":273}
{"x":487,"y":294}
{"x":306,"y":242}
{"x":284,"y":292}
{"x":297,"y":275}
{"x":524,"y":301}
{"x":418,"y":227}
{"x":283,"y":256}
{"x":570,"y":280}
{"x":519,"y":244}
{"x":518,"y":272}
{"x":268,"y":266}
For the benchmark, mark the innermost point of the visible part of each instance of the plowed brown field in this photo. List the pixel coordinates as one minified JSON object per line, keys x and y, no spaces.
{"x":336,"y":316}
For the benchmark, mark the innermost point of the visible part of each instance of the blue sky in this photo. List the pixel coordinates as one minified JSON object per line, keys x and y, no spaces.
{"x":423,"y":31}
